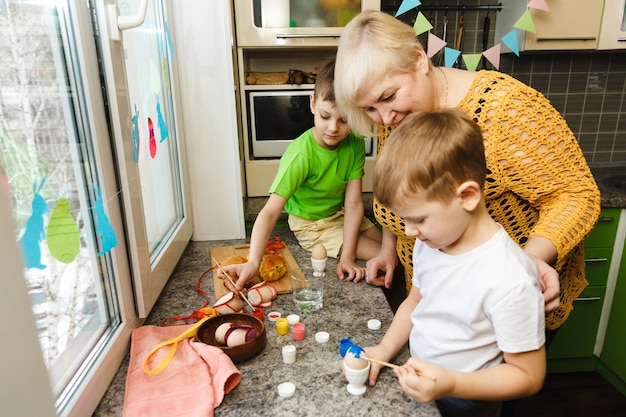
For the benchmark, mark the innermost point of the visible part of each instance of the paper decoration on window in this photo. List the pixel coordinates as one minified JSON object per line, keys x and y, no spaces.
{"x":34,"y":232}
{"x":421,"y":24}
{"x":168,"y":41}
{"x":63,"y":236}
{"x":407,"y":5}
{"x":164,"y":133}
{"x":135,"y":123}
{"x":435,"y":43}
{"x":104,"y":230}
{"x":153,"y":145}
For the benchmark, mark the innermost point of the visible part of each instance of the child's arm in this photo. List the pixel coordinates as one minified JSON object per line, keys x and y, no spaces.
{"x":396,"y":336}
{"x":385,"y":261}
{"x":521,"y":375}
{"x":354,"y":212}
{"x":261,"y":231}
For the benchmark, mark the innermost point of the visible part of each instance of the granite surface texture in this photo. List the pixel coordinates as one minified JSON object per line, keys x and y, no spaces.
{"x":607,"y":179}
{"x":320,"y":386}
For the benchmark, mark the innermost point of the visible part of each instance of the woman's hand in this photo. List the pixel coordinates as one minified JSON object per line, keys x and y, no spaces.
{"x":550,"y":285}
{"x":384,"y":262}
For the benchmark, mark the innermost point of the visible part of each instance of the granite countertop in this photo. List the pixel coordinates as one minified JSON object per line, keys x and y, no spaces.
{"x":320,"y":386}
{"x":610,"y":196}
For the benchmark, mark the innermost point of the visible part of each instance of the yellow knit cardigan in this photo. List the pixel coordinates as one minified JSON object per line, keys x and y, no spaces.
{"x":538,"y":182}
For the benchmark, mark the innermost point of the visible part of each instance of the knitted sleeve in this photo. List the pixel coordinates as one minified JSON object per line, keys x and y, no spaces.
{"x":533,"y":154}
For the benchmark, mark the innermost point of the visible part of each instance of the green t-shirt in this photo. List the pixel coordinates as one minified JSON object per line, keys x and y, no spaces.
{"x":314,"y":179}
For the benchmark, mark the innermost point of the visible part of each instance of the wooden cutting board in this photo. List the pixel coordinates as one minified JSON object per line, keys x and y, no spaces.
{"x":283,"y":285}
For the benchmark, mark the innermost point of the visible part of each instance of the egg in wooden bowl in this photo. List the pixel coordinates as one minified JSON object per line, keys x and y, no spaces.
{"x":252,"y":342}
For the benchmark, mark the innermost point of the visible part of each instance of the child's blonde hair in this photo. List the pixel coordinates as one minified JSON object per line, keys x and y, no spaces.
{"x":373,"y":45}
{"x":432,"y":152}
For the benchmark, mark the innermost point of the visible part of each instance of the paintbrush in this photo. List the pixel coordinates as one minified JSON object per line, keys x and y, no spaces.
{"x":391,"y":365}
{"x":232,"y":282}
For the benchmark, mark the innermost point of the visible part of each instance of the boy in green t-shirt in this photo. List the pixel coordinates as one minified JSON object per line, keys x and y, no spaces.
{"x":319,"y":184}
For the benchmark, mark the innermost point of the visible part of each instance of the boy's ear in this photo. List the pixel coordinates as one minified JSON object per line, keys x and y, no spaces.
{"x":312,"y":103}
{"x":470,"y":194}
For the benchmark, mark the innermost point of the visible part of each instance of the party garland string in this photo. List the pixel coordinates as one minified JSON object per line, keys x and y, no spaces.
{"x":435,"y":44}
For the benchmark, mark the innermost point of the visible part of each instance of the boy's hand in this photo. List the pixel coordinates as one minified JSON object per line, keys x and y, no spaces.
{"x":376,"y":352}
{"x":416,"y":379}
{"x":242,"y":273}
{"x":350,"y":271}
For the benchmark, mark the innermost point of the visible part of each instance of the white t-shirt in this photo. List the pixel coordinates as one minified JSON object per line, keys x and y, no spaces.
{"x":476,"y":305}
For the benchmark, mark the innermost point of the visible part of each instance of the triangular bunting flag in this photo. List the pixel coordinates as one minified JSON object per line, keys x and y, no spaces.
{"x":525,"y":23}
{"x":493,"y":55}
{"x":421,"y":24}
{"x":450,"y":56}
{"x":435,"y":44}
{"x":538,"y":4}
{"x":471,"y":61}
{"x":510,"y":40}
{"x":407,"y":5}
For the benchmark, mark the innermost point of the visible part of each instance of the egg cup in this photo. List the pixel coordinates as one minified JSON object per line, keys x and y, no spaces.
{"x":356,"y":378}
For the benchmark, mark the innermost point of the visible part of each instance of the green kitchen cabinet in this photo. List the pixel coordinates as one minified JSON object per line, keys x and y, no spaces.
{"x":613,"y":357}
{"x":573,"y":346}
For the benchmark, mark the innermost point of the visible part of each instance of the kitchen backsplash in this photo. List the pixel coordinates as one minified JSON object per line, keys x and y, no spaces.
{"x":587,"y":87}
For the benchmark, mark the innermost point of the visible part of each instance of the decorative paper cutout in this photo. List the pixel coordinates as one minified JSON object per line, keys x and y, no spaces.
{"x":407,"y":5}
{"x":510,"y":40}
{"x":493,"y":55}
{"x":525,"y":22}
{"x":135,"y":123}
{"x":166,"y":73}
{"x":471,"y":61}
{"x":161,"y":121}
{"x":538,"y":4}
{"x":153,"y":146}
{"x":450,"y":56}
{"x":168,"y":40}
{"x":435,"y":44}
{"x":104,"y":230}
{"x":34,"y":232}
{"x":63,"y":235}
{"x":421,"y":24}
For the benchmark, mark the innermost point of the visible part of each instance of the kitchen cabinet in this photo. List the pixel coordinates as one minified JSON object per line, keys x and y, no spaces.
{"x":273,"y":51}
{"x":573,"y":347}
{"x":568,"y":25}
{"x":613,"y":30}
{"x":613,"y":357}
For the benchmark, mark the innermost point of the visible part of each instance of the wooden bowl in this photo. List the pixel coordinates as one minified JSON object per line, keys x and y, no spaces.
{"x":206,"y":334}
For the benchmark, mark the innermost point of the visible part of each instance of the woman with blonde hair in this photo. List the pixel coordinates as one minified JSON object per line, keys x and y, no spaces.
{"x":539,"y":186}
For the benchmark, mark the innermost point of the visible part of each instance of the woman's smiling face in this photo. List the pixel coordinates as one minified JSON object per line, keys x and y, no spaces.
{"x":396,"y":96}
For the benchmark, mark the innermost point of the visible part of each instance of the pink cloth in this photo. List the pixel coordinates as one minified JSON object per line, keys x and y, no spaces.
{"x":192,"y":384}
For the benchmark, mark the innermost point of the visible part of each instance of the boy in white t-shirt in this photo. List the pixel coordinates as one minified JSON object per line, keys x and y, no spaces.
{"x":474,"y":318}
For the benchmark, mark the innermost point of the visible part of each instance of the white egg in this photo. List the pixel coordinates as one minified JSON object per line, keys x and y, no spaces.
{"x":352,"y":362}
{"x":220,"y":332}
{"x":319,"y":252}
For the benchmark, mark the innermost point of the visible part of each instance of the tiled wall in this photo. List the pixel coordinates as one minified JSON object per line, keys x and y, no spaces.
{"x":587,"y":87}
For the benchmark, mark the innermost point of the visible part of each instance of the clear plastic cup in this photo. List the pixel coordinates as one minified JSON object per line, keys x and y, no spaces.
{"x":307,"y":289}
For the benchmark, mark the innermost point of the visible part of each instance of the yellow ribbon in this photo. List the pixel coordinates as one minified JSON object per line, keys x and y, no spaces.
{"x":190,"y":332}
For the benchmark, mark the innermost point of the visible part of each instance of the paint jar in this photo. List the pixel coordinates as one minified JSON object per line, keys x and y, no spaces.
{"x":282,"y":326}
{"x":299,"y":332}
